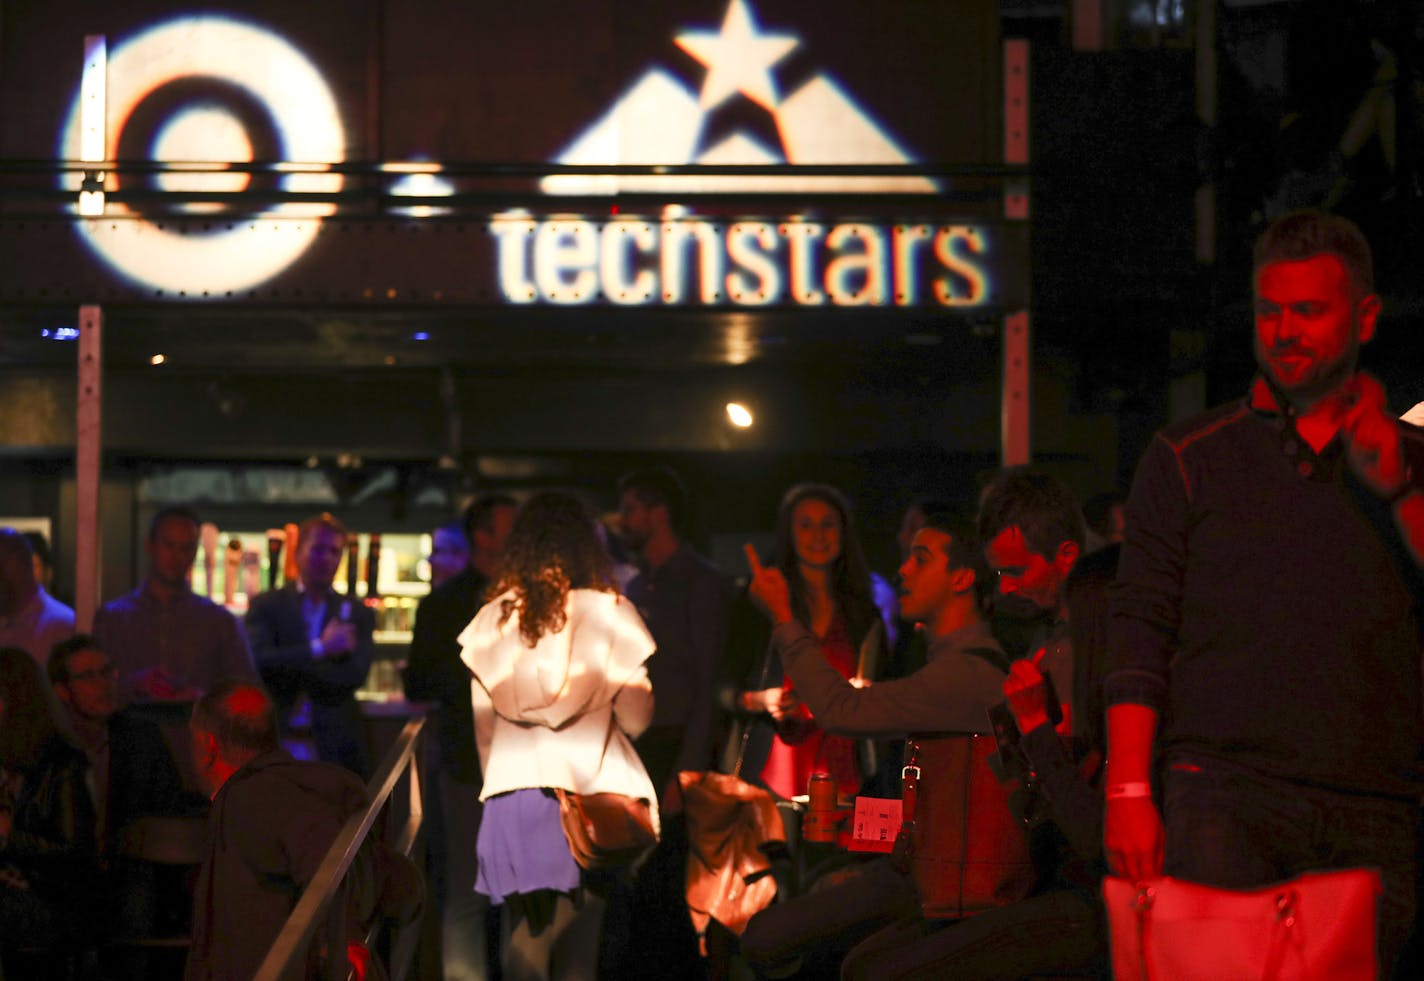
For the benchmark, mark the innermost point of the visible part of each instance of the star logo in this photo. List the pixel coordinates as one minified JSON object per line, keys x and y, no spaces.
{"x":662,"y":120}
{"x":738,"y":59}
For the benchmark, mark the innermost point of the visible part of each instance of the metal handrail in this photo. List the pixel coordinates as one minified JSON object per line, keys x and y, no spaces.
{"x":290,"y":947}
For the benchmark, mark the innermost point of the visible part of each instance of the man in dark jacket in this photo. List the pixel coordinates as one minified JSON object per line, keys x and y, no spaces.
{"x":133,"y":771}
{"x":310,"y":642}
{"x":131,"y":775}
{"x":436,"y":674}
{"x":273,"y":819}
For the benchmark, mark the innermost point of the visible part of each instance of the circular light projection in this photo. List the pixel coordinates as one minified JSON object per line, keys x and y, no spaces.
{"x":202,"y":87}
{"x":739,"y":415}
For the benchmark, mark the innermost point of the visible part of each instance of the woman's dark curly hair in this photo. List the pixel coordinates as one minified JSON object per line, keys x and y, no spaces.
{"x":850,"y":574}
{"x":552,"y":549}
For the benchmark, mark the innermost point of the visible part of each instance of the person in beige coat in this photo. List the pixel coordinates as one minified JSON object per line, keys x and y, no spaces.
{"x":559,"y":689}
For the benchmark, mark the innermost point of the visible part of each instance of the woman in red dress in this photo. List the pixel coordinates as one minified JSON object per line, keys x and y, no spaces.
{"x":818,"y":553}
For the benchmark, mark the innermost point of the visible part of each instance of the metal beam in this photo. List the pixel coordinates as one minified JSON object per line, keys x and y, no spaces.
{"x":1014,"y":443}
{"x":1014,"y":395}
{"x":88,"y":465}
{"x":93,"y":117}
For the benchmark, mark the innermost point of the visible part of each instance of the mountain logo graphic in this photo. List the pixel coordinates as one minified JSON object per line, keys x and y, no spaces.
{"x":660,"y":120}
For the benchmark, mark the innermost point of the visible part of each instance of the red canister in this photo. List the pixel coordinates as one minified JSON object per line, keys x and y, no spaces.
{"x":821,"y":815}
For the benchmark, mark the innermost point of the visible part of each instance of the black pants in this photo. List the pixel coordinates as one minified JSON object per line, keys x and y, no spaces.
{"x":1232,"y":827}
{"x":1058,"y":931}
{"x":810,"y":934}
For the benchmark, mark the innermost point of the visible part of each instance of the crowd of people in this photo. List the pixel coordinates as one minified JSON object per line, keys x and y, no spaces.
{"x":1215,"y":676}
{"x":95,"y":741}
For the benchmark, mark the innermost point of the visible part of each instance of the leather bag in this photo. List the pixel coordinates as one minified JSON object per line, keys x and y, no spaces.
{"x":1317,"y":925}
{"x":728,"y":823}
{"x":606,"y":830}
{"x":964,"y":847}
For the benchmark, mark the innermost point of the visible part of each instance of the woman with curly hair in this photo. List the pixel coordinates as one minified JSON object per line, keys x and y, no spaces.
{"x":48,"y":867}
{"x":560,"y":688}
{"x":820,"y":556}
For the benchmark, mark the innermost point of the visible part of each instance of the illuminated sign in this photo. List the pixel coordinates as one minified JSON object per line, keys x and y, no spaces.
{"x":687,"y":260}
{"x":206,"y":94}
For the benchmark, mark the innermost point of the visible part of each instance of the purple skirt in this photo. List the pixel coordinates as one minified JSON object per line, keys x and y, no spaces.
{"x":521,"y":846}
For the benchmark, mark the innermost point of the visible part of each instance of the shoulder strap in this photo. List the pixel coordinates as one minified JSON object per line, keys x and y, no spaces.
{"x":909,"y":799}
{"x":995,"y":657}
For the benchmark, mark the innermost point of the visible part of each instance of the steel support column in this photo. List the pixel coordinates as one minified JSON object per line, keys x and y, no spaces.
{"x":1014,"y":394}
{"x":88,"y":465}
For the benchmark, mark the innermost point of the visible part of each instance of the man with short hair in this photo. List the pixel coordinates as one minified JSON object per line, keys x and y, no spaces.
{"x":1033,"y":534}
{"x":30,"y":618}
{"x":132,"y":773}
{"x":449,"y":552}
{"x":167,"y":642}
{"x":433,"y":670}
{"x":1265,"y":631}
{"x":685,"y":602}
{"x":272,"y":821}
{"x":435,"y":673}
{"x":312,"y":643}
{"x":907,"y":645}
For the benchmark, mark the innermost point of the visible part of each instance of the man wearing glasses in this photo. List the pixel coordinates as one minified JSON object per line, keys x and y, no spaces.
{"x":131,"y":775}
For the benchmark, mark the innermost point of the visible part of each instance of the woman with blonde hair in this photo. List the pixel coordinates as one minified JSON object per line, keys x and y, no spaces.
{"x":560,"y":688}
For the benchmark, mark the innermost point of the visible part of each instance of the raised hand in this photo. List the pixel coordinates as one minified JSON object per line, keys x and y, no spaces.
{"x":1371,"y":437}
{"x":768,"y":588}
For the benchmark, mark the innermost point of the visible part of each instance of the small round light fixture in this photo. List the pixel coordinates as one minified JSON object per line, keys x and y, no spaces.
{"x":157,"y":359}
{"x":739,"y":415}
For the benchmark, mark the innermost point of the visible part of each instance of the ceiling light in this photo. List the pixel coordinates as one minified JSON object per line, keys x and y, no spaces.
{"x":157,"y":359}
{"x":739,"y":415}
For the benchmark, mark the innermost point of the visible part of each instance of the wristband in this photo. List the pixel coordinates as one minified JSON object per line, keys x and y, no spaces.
{"x":1120,"y":791}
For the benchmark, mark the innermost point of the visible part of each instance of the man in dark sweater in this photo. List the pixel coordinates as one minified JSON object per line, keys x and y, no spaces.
{"x":434,"y":673}
{"x":1267,"y":608}
{"x":684,"y":600}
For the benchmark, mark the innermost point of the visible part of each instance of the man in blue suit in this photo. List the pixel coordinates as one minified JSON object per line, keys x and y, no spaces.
{"x":314,"y":645}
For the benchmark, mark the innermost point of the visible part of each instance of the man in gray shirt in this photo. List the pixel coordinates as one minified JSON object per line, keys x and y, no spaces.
{"x":167,"y":642}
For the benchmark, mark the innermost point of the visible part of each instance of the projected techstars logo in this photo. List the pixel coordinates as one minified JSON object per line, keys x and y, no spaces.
{"x":680,"y":258}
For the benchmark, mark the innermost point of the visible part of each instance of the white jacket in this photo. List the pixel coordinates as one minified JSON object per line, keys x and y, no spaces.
{"x":562,"y":713}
